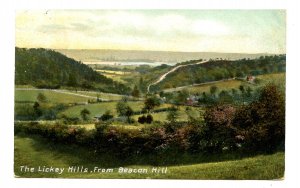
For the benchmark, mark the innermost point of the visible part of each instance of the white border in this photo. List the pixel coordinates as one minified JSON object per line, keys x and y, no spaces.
{"x":7,"y":43}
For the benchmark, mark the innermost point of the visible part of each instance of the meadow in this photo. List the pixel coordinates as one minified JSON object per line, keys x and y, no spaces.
{"x":277,"y":78}
{"x":52,"y":96}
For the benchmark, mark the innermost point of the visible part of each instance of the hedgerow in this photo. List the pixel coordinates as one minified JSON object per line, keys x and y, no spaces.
{"x":258,"y":126}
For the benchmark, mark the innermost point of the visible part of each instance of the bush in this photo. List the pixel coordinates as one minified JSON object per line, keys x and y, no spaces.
{"x":106,"y":116}
{"x":261,"y":125}
{"x":149,"y":119}
{"x":142,"y":119}
{"x":221,"y":133}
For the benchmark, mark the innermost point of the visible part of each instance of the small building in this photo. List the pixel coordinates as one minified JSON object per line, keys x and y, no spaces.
{"x":250,"y":78}
{"x":192,"y":100}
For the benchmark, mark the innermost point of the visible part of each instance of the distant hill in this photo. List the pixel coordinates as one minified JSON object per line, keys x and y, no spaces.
{"x":44,"y":68}
{"x":220,"y":70}
{"x":149,"y":56}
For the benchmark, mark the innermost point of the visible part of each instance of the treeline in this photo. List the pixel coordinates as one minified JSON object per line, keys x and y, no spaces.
{"x":222,"y":69}
{"x":45,"y":68}
{"x":257,"y":127}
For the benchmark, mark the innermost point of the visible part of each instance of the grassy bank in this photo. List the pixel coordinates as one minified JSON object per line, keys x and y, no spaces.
{"x":36,"y":151}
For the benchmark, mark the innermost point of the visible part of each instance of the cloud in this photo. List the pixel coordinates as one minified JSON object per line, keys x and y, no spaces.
{"x":152,"y":30}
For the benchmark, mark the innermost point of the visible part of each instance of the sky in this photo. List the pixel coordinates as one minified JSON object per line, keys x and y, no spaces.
{"x":232,"y":31}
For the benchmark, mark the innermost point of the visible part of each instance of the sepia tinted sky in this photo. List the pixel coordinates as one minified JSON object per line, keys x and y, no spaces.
{"x":240,"y":31}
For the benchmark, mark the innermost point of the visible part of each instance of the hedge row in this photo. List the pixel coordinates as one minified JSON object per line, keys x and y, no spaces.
{"x":259,"y":126}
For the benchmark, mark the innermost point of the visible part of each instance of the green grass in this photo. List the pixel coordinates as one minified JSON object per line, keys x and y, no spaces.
{"x":99,"y":94}
{"x":277,"y":78}
{"x":36,"y":151}
{"x":52,"y":96}
{"x":224,"y":85}
{"x":100,"y":108}
{"x":182,"y":115}
{"x":115,"y":77}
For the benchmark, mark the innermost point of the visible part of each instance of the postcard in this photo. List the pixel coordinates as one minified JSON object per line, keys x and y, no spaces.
{"x":150,"y":94}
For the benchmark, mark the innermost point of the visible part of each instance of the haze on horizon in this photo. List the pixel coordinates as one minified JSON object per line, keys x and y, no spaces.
{"x":224,"y":31}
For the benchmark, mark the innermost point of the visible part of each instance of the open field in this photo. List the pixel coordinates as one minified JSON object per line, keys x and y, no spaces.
{"x":100,"y":108}
{"x":36,"y":151}
{"x":113,"y":72}
{"x":115,"y":77}
{"x":107,"y":96}
{"x":62,"y":96}
{"x":52,"y":96}
{"x":278,"y":78}
{"x":222,"y":85}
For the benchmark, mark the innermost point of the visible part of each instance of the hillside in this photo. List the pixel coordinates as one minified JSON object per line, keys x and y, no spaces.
{"x":220,"y":70}
{"x":148,"y":56}
{"x":45,"y":68}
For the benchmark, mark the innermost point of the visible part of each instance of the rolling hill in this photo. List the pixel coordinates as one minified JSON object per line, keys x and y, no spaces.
{"x":44,"y":68}
{"x":215,"y":70}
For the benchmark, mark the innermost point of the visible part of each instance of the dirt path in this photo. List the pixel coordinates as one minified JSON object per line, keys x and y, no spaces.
{"x":162,"y":77}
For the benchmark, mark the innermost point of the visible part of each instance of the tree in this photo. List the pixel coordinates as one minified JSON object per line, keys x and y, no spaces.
{"x":128,"y":113}
{"x":172,"y":115}
{"x":150,"y":103}
{"x":106,"y":116}
{"x":121,"y":108}
{"x":220,"y":132}
{"x":213,"y":90}
{"x":182,"y":96}
{"x":37,"y":109}
{"x":84,"y":114}
{"x":142,"y":119}
{"x":135,"y":92}
{"x":41,"y":98}
{"x":225,"y":97}
{"x":262,"y":122}
{"x":149,"y":118}
{"x":242,"y":89}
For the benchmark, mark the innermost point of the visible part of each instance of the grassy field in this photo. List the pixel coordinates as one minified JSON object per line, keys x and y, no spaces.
{"x":115,"y":77}
{"x":52,"y":96}
{"x":36,"y":151}
{"x":278,"y":78}
{"x":101,"y":95}
{"x":182,"y":115}
{"x":113,"y":72}
{"x":100,"y":108}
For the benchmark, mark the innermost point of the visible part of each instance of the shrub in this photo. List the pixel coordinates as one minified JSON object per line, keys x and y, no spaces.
{"x":149,"y":119}
{"x":142,"y":119}
{"x":220,"y":132}
{"x":106,"y":116}
{"x":262,"y":123}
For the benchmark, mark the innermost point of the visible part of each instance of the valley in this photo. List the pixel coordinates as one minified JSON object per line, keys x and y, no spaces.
{"x":130,"y":100}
